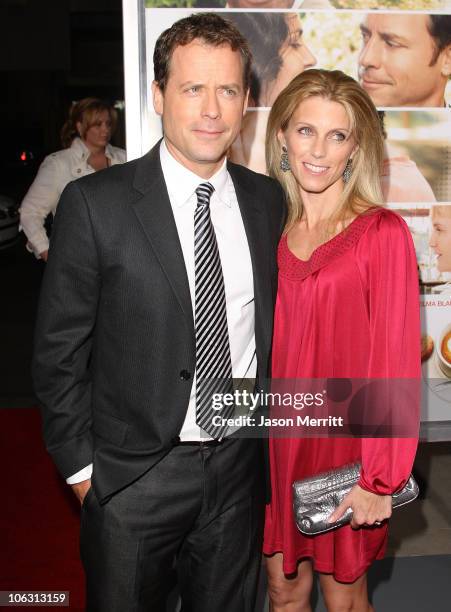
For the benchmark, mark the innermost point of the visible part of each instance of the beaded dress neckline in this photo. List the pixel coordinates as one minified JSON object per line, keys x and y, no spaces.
{"x":291,"y":267}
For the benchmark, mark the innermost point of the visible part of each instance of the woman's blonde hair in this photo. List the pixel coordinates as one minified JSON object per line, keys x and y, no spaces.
{"x":85,"y":112}
{"x":363,"y":190}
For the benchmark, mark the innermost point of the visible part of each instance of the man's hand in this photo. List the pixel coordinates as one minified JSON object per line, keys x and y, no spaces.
{"x":367,"y":508}
{"x":44,"y":255}
{"x":81,"y":488}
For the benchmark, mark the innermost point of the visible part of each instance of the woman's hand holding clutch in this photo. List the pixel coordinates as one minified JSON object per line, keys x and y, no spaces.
{"x":367,"y":508}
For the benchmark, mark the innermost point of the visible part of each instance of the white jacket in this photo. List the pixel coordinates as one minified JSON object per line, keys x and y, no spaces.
{"x":55,"y":172}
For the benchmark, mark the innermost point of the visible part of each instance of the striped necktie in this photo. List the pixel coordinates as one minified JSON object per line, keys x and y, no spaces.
{"x":213,"y":362}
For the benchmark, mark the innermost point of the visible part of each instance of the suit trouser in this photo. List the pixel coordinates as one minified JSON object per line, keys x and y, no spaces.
{"x":200,"y":510}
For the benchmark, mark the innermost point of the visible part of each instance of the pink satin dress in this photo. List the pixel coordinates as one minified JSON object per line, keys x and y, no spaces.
{"x":351,"y":310}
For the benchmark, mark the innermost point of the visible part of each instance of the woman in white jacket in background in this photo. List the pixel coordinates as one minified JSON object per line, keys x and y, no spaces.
{"x":85,"y":136}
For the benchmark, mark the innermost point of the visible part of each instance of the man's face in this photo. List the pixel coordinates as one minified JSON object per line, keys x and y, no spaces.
{"x":394,"y":62}
{"x":202,"y":105}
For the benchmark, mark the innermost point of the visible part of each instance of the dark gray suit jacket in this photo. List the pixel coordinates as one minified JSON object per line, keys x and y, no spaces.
{"x":114,"y":345}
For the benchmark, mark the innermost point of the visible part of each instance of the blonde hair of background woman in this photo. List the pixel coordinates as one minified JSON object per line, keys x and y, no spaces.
{"x":363,"y":190}
{"x":85,"y":112}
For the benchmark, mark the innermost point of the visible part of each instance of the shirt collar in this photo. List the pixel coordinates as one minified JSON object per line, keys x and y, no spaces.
{"x":80,"y":148}
{"x":182,"y":183}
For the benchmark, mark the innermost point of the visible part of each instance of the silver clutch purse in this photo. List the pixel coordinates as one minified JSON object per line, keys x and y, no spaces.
{"x":315,"y":498}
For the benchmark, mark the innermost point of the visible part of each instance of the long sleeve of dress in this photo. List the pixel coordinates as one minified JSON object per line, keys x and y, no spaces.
{"x":40,"y":200}
{"x":391,"y":277}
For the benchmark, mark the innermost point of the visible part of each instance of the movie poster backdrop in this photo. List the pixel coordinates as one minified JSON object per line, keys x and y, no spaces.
{"x":400,"y":51}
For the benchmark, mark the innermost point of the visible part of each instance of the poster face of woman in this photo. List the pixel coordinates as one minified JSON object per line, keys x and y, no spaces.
{"x":430,"y":226}
{"x":440,"y":239}
{"x":279,"y":52}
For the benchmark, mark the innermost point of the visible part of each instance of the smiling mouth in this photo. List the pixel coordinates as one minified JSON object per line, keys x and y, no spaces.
{"x":316,"y":169}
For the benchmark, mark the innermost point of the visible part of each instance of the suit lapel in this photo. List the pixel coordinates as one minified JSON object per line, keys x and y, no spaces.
{"x":154,"y":213}
{"x":256,"y":227}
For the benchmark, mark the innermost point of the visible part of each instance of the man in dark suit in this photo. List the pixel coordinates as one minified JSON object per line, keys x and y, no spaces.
{"x":162,"y":272}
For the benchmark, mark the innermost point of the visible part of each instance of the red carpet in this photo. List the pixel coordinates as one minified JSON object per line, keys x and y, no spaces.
{"x":39,"y":515}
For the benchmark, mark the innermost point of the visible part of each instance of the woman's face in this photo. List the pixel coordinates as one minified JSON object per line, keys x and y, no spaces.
{"x":319,"y":142}
{"x":440,"y":240}
{"x":99,"y":133}
{"x":296,"y":57}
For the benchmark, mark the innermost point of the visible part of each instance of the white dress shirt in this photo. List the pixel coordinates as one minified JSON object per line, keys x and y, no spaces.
{"x":236,"y":264}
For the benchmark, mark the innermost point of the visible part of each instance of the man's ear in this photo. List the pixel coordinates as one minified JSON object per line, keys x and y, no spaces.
{"x":246,"y":101}
{"x":158,"y":98}
{"x":446,"y":61}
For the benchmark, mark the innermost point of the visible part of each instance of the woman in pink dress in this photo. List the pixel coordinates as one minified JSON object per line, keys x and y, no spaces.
{"x":347,"y":307}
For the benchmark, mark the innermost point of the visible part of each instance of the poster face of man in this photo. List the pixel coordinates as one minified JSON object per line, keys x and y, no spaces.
{"x":399,"y":64}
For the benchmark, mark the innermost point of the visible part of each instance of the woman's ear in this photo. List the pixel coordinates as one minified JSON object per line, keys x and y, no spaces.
{"x":79,"y":127}
{"x":281,"y":138}
{"x":354,"y":150}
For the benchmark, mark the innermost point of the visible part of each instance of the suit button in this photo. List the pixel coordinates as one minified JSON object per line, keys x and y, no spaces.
{"x":185,"y":375}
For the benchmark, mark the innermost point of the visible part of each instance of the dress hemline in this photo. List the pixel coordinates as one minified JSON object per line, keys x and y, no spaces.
{"x":322,"y":568}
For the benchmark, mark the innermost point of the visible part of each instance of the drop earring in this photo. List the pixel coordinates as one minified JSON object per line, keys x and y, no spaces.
{"x":347,"y":172}
{"x":284,"y":163}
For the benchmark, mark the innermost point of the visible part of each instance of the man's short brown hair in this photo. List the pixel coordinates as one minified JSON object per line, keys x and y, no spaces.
{"x":210,"y":28}
{"x":439,"y":27}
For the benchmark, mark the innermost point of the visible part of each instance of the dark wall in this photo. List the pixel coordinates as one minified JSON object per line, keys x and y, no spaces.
{"x":34,"y":35}
{"x":53,"y":52}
